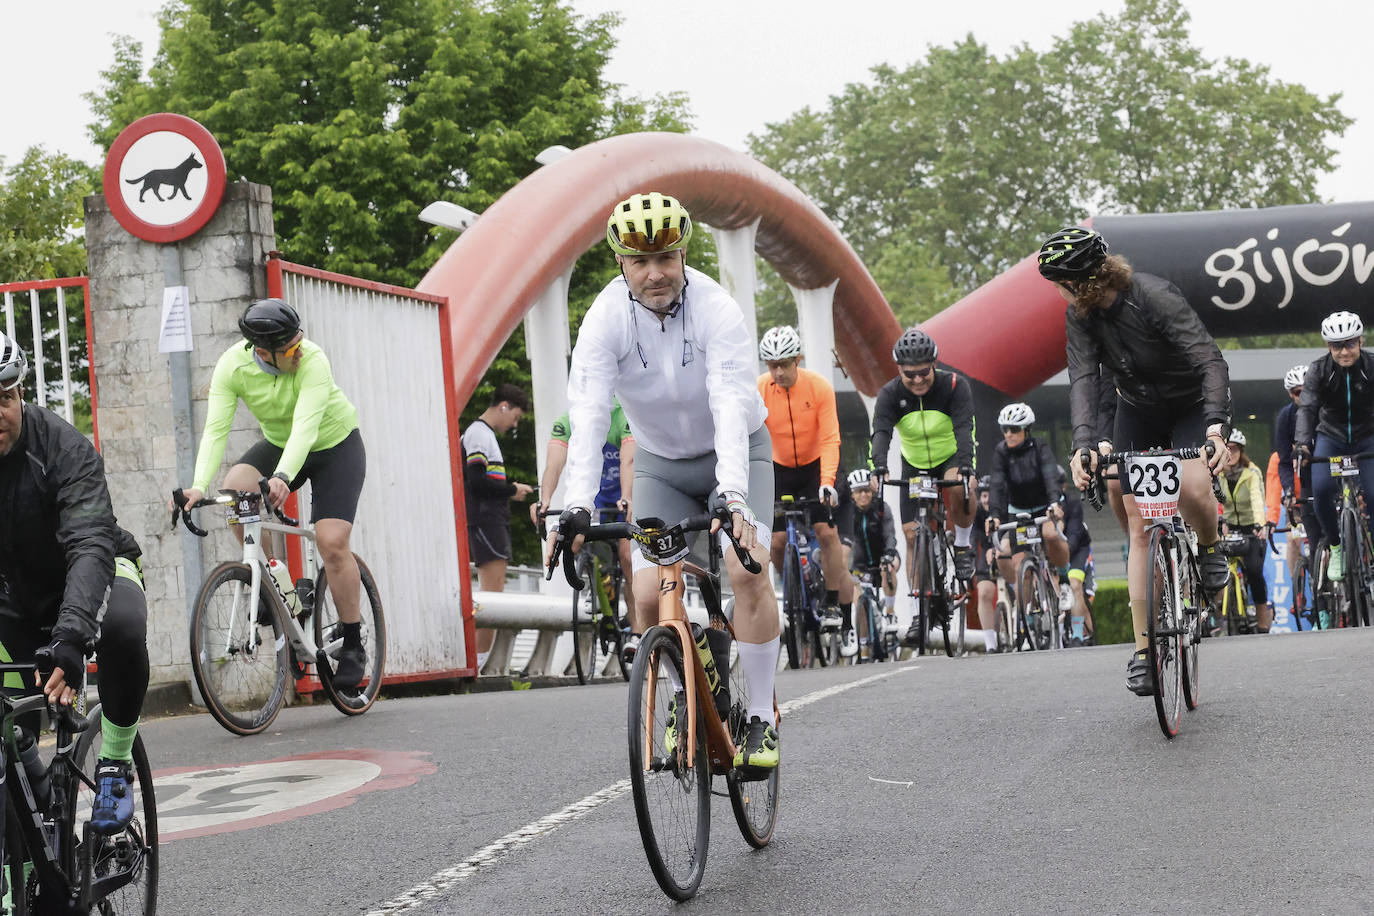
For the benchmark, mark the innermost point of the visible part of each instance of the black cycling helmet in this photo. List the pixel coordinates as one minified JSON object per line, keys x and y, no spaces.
{"x":1072,"y":253}
{"x":914,"y":347}
{"x":270,"y":324}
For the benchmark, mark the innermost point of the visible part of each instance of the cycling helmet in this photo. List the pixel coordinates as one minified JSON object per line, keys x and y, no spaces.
{"x":648,"y":224}
{"x":782,"y":342}
{"x":1237,"y":437}
{"x":859,"y":478}
{"x":1295,"y":377}
{"x":270,"y":324}
{"x":13,"y":365}
{"x":1072,"y":253}
{"x":1341,"y":326}
{"x":1016,"y":415}
{"x":914,"y":347}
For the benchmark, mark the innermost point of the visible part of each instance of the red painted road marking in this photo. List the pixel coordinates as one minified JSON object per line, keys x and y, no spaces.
{"x":200,"y":801}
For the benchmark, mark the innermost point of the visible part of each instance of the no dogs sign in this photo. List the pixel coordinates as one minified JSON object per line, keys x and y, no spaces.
{"x":164,"y":177}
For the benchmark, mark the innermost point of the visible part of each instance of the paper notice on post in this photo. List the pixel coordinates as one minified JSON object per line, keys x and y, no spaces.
{"x":176,"y":320}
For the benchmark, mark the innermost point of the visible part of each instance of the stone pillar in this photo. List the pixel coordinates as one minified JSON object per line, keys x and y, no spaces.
{"x":224,"y":267}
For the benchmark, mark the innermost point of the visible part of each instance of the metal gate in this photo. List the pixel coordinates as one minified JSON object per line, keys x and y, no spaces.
{"x":62,"y":367}
{"x":387,"y":348}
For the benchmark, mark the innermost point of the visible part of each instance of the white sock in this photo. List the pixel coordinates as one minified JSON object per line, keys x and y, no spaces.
{"x":760,"y":664}
{"x":961,"y":535}
{"x":990,"y":640}
{"x":482,"y":659}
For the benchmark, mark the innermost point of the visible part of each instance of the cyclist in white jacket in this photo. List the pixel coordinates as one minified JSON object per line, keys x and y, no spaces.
{"x":672,"y":345}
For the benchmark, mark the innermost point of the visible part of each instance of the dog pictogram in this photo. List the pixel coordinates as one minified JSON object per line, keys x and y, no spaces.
{"x":176,"y":178}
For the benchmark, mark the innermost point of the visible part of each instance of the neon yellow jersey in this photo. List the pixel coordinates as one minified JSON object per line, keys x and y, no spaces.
{"x":299,"y":412}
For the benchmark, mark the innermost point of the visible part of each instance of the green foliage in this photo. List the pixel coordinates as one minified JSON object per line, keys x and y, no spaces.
{"x":946,"y":173}
{"x":1112,"y":613}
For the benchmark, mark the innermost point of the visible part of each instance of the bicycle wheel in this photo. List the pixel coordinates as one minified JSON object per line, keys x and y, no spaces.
{"x":329,"y":639}
{"x":925,"y":587}
{"x":1028,"y":604}
{"x":1233,"y":606}
{"x":672,"y":799}
{"x":584,"y":619}
{"x":239,"y":663}
{"x":754,"y":801}
{"x":615,"y":639}
{"x":1190,"y":593}
{"x":793,"y":603}
{"x":1352,"y":584}
{"x":128,"y":859}
{"x":1162,"y":633}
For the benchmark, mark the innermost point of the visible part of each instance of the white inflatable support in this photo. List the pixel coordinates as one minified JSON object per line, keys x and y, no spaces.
{"x":510,"y":612}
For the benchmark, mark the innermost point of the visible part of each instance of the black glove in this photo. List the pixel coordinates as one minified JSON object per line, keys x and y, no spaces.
{"x":1302,"y":451}
{"x":966,"y":472}
{"x":70,"y":659}
{"x":572,"y":522}
{"x":889,"y":557}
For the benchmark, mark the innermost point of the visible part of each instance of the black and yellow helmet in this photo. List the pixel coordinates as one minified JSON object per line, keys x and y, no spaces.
{"x":648,"y":224}
{"x":1072,"y":253}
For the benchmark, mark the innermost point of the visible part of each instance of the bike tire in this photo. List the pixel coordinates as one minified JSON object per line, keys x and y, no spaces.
{"x":134,"y":849}
{"x":243,"y":685}
{"x":16,"y":885}
{"x":584,"y":614}
{"x":1028,"y":599}
{"x":616,"y":640}
{"x":1191,"y":640}
{"x":753,"y":801}
{"x":793,"y":603}
{"x":359,"y":700}
{"x":1162,"y":633}
{"x":925,"y":587}
{"x":672,"y":800}
{"x":1352,"y":583}
{"x":821,"y":651}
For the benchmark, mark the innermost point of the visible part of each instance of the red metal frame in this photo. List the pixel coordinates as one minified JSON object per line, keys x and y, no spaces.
{"x":276,"y":267}
{"x":84,"y":284}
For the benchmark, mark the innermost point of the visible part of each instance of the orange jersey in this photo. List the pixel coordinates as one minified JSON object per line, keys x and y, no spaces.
{"x":1273,"y":492}
{"x":803,"y":423}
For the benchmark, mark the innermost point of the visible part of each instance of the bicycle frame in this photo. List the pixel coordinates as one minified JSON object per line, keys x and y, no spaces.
{"x":255,"y":558}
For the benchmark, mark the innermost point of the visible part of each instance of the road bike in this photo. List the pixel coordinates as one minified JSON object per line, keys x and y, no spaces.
{"x":247,"y":636}
{"x":1037,"y":622}
{"x":54,"y":862}
{"x":1233,"y":607}
{"x":941,"y":596}
{"x":685,"y":721}
{"x":883,"y":643}
{"x":807,"y":640}
{"x":1353,"y":594}
{"x":1174,"y":595}
{"x":1305,"y":605}
{"x":597,"y":621}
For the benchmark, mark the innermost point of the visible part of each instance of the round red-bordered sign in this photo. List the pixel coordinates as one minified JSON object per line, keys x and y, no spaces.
{"x":164,"y":177}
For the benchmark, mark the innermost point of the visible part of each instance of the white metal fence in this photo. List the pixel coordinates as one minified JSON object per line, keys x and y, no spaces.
{"x":46,"y":341}
{"x":383,"y":345}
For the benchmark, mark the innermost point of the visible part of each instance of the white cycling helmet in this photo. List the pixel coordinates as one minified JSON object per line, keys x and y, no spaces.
{"x":782,"y":342}
{"x":859,"y":478}
{"x":1341,"y":326}
{"x":13,"y":365}
{"x":1295,"y":377}
{"x":1017,"y":414}
{"x":1237,"y":437}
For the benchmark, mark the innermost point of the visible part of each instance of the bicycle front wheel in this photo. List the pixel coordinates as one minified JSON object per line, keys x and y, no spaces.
{"x":924,"y":576}
{"x":1352,"y":542}
{"x":672,"y":798}
{"x":238,"y":652}
{"x":1163,"y":633}
{"x":1190,"y":595}
{"x":584,"y":620}
{"x":127,"y":861}
{"x":755,"y":802}
{"x":794,"y":605}
{"x":1029,"y":604}
{"x":329,"y":638}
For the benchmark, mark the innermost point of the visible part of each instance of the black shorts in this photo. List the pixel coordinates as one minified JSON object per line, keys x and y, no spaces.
{"x":489,"y":541}
{"x":906,"y":504}
{"x":1079,"y":558}
{"x":1173,"y":424}
{"x":335,"y":474}
{"x":803,"y":482}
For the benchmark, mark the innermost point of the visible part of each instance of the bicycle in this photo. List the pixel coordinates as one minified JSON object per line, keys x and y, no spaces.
{"x":1314,"y":612}
{"x":1037,"y":621}
{"x":1173,"y":591}
{"x":676,"y":680}
{"x":807,"y":641}
{"x":1353,"y":594}
{"x":1235,"y":606}
{"x":54,"y":863}
{"x":246,"y":638}
{"x":596,"y":618}
{"x":1004,"y":605}
{"x":883,"y":643}
{"x":941,"y":597}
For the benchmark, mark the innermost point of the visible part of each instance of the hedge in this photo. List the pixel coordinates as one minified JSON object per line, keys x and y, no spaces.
{"x":1112,"y":612}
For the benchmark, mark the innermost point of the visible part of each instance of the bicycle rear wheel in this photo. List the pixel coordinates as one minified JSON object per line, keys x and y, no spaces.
{"x":584,"y":619}
{"x":1163,"y":633}
{"x":794,"y":604}
{"x":329,"y":639}
{"x":239,"y":662}
{"x":672,"y":799}
{"x":754,"y":801}
{"x":125,"y":864}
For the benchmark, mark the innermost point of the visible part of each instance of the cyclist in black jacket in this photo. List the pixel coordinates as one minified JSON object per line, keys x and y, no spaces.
{"x":1336,"y":417}
{"x":1173,"y":390}
{"x":864,"y":523}
{"x":69,"y":578}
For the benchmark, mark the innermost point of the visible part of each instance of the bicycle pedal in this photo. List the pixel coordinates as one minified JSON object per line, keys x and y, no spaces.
{"x":753,"y":774}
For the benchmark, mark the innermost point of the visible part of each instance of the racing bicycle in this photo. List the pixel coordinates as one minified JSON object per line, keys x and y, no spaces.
{"x":883,"y":641}
{"x":807,"y":640}
{"x":1037,"y":622}
{"x":941,"y":597}
{"x":596,"y":618}
{"x":1353,"y":594}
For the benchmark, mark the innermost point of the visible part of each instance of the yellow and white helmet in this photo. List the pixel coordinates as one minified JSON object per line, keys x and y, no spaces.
{"x":648,"y":224}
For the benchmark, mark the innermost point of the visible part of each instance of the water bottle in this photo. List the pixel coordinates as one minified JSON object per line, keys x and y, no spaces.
{"x":33,"y":765}
{"x":281,"y":576}
{"x":719,"y":639}
{"x":708,"y":661}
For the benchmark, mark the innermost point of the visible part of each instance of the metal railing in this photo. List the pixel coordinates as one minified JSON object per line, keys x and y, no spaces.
{"x":53,"y":375}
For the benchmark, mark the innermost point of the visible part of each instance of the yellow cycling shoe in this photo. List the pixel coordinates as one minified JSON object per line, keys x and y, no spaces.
{"x":760,"y":749}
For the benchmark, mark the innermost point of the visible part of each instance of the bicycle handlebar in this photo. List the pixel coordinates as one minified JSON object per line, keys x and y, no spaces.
{"x":1096,"y":491}
{"x":1330,"y":458}
{"x":940,"y":483}
{"x":226,"y":498}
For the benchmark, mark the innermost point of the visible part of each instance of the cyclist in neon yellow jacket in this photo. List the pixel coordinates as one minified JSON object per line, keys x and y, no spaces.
{"x":310,"y":432}
{"x":1243,"y":508}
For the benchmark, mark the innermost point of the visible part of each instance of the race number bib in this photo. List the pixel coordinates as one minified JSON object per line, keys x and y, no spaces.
{"x":246,"y":509}
{"x":922,"y":488}
{"x":662,"y":547}
{"x":1346,"y":466}
{"x":1155,"y":484}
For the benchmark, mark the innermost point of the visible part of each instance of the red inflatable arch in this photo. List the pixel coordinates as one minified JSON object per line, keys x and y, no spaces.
{"x":496,"y":270}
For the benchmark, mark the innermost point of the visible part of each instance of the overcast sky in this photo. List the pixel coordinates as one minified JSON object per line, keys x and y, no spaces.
{"x":746,"y":63}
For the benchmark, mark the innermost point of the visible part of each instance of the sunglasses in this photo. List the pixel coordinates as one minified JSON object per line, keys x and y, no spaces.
{"x":1351,"y":344}
{"x":918,"y":373}
{"x":1013,"y":429}
{"x":781,"y":363}
{"x":291,"y":351}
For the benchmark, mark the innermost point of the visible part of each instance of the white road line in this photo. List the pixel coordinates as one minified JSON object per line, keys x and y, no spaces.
{"x":441,"y":881}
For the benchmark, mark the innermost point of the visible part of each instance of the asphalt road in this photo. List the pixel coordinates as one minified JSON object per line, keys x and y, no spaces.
{"x":1031,"y":783}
